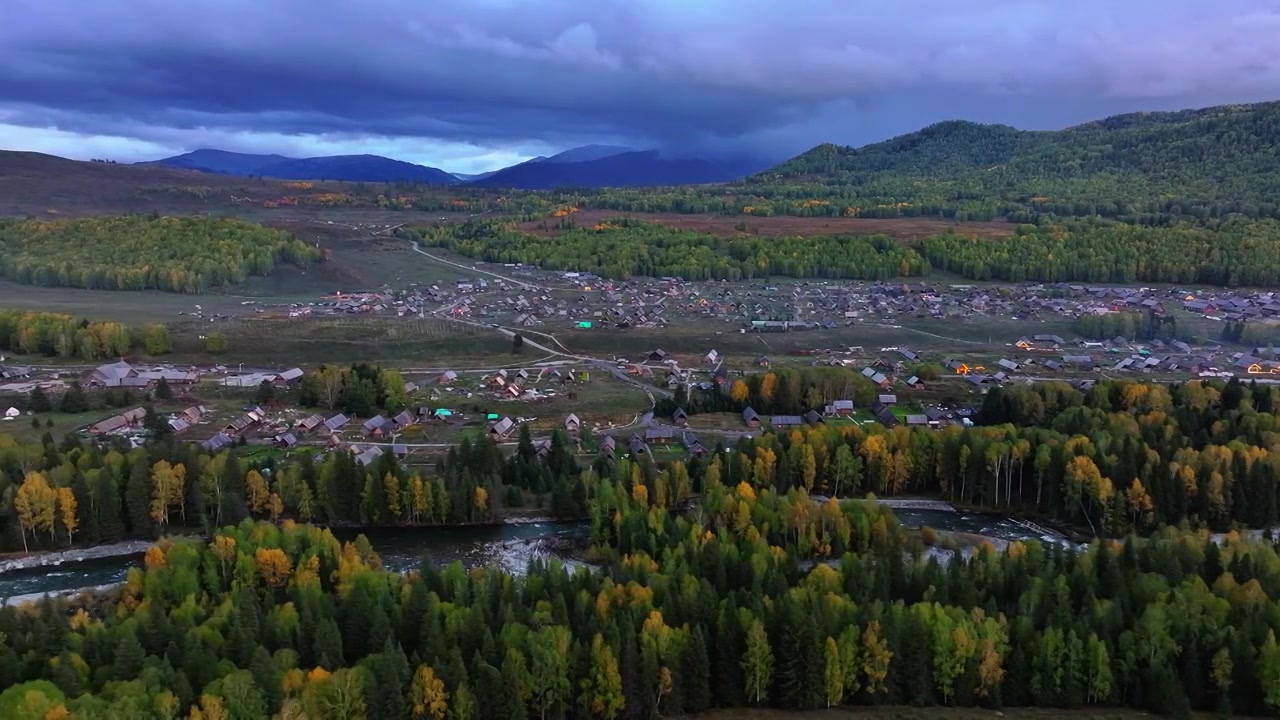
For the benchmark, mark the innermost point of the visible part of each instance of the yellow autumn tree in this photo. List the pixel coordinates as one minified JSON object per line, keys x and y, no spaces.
{"x":155,"y":557}
{"x":990,"y":668}
{"x":391,"y":491}
{"x":768,"y":387}
{"x":429,"y":698}
{"x":224,"y":548}
{"x":210,"y":708}
{"x":739,"y":391}
{"x":876,"y":656}
{"x":259,"y":493}
{"x":34,"y":502}
{"x":1140,"y":503}
{"x":67,"y":512}
{"x":481,"y":499}
{"x":167,"y":490}
{"x":273,"y":566}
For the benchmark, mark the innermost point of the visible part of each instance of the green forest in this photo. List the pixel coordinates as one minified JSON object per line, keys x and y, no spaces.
{"x":713,"y":583}
{"x":1231,"y":253}
{"x":135,"y":252}
{"x":681,"y":614}
{"x":624,"y":248}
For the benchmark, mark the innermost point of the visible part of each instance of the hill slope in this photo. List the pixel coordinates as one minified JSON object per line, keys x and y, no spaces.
{"x":630,"y":169}
{"x":351,"y":168}
{"x":586,"y":153}
{"x":1148,"y":162}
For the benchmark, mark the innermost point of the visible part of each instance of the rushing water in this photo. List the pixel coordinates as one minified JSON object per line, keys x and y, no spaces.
{"x":509,"y":547}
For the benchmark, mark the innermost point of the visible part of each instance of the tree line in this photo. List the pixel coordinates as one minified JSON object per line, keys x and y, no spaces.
{"x":1234,"y":252}
{"x":134,"y":252}
{"x":1121,"y":457}
{"x":65,"y":336}
{"x":625,"y":247}
{"x":54,"y":495}
{"x":358,"y":390}
{"x":1130,"y":326}
{"x":786,"y":391}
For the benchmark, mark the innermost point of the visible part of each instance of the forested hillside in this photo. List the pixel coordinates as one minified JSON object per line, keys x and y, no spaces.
{"x":134,"y":252}
{"x":1200,"y":163}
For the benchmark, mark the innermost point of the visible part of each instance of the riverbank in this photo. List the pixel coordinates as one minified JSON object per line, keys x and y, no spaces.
{"x":93,"y":552}
{"x":94,"y":591}
{"x":127,"y":548}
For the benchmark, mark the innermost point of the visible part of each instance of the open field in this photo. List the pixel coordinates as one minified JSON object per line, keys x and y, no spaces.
{"x":353,"y":263}
{"x":778,"y":226}
{"x":123,"y":305}
{"x":416,"y":342}
{"x":898,"y":712}
{"x":689,"y":338}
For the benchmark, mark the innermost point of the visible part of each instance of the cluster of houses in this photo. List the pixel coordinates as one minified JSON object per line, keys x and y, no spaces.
{"x":14,"y":372}
{"x":116,"y":424}
{"x":132,"y":420}
{"x":255,"y":379}
{"x":515,"y":384}
{"x":123,"y":375}
{"x":237,"y":428}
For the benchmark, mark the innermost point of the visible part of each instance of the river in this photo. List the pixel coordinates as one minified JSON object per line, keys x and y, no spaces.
{"x":509,"y":547}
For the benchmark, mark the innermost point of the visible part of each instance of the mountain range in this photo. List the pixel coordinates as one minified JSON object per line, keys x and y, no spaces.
{"x":1208,"y":162}
{"x":591,"y":166}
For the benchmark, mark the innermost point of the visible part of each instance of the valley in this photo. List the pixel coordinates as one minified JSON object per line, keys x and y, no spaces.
{"x":971,"y":419}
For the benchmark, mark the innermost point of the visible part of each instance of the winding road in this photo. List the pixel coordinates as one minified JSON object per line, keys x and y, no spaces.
{"x":469,"y":268}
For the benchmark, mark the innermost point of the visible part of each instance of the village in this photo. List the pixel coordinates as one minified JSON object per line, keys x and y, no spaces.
{"x":585,"y":301}
{"x":920,"y":345}
{"x":222,"y":406}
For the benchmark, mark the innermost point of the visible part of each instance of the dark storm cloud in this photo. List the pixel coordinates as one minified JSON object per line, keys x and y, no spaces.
{"x":507,"y":72}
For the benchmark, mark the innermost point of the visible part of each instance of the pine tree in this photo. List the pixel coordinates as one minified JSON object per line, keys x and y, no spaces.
{"x":328,"y":645}
{"x":267,"y":678}
{"x":129,"y":657}
{"x":695,"y":675}
{"x":138,"y":492}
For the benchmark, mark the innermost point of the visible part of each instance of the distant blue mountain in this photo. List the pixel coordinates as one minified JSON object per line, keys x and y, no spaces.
{"x":626,"y":169}
{"x":586,"y":153}
{"x":350,"y":168}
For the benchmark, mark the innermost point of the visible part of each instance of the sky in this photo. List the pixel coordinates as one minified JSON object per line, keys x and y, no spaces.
{"x":474,"y":85}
